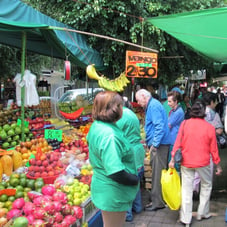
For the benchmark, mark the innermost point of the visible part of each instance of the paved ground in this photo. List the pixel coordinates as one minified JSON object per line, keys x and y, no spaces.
{"x":168,"y":218}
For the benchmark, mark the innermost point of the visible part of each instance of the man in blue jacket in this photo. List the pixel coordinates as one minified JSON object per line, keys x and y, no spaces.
{"x":158,"y":140}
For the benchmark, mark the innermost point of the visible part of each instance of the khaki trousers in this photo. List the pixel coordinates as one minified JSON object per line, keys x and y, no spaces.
{"x":187,"y":176}
{"x":113,"y":219}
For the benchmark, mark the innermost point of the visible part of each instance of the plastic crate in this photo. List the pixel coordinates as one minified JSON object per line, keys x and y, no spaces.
{"x":89,"y":210}
{"x":46,"y":180}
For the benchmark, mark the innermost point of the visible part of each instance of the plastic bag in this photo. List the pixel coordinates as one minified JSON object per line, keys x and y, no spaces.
{"x":171,"y":188}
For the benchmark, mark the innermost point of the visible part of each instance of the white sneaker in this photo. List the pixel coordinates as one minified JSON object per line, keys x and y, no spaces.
{"x":200,"y":217}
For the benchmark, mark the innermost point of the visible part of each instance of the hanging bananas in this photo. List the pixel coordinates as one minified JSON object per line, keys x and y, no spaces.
{"x":117,"y":84}
{"x":91,"y":72}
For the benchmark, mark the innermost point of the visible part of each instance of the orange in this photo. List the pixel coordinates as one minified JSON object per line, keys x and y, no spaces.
{"x":25,"y":155}
{"x":24,"y":150}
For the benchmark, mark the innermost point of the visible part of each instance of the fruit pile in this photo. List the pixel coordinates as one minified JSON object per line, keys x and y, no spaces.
{"x":48,"y":166}
{"x":54,"y":143}
{"x":22,"y":184}
{"x":30,"y":147}
{"x":49,"y":208}
{"x":77,"y":192}
{"x":10,"y":135}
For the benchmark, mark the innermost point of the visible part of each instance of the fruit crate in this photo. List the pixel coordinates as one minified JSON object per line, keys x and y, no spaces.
{"x":89,"y":210}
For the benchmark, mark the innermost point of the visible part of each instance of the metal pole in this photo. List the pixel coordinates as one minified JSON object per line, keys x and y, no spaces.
{"x":23,"y":88}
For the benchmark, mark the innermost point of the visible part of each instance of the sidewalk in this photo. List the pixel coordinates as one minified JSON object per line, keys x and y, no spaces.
{"x":168,"y":218}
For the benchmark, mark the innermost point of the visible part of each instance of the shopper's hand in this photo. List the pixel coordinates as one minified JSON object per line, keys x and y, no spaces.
{"x":218,"y":170}
{"x":171,"y":163}
{"x":153,"y":149}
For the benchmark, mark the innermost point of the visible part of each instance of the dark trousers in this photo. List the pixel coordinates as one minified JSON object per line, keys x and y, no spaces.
{"x":159,"y":160}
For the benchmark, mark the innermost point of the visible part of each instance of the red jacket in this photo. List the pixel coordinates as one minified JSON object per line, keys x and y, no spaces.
{"x":198,"y":143}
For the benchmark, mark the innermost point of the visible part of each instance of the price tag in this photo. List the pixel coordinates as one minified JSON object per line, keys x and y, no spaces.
{"x":26,"y":123}
{"x":141,"y":64}
{"x":53,"y":134}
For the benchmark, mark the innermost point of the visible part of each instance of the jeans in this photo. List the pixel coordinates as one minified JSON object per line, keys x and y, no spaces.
{"x":137,"y":205}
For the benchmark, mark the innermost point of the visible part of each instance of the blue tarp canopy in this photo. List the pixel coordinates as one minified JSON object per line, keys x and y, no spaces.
{"x":41,"y":37}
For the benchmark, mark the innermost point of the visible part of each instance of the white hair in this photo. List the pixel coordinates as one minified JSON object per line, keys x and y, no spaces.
{"x":144,"y":92}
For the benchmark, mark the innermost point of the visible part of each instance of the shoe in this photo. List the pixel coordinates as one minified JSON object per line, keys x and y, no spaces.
{"x":200,"y":217}
{"x":184,"y":224}
{"x":148,"y":205}
{"x":153,"y":208}
{"x":129,"y":218}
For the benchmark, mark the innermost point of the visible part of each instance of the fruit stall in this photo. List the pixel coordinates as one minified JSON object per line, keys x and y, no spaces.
{"x":49,"y":172}
{"x":45,"y":174}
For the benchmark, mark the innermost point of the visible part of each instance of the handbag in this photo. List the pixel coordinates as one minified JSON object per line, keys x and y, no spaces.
{"x":178,"y":154}
{"x":222,"y":140}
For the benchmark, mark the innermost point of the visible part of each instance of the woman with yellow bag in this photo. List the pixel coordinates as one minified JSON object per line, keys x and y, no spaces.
{"x":197,"y":141}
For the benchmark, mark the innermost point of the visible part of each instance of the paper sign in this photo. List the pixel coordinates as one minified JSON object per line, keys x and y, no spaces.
{"x":26,"y":123}
{"x":53,"y":134}
{"x":141,"y":64}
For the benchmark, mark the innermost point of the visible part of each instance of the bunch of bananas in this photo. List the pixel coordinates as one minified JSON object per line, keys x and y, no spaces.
{"x":117,"y":84}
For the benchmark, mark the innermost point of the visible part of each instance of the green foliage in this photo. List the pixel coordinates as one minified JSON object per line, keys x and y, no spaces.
{"x":123,"y":20}
{"x":10,"y":62}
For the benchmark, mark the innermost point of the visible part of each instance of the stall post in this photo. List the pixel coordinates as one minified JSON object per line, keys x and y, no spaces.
{"x":23,"y":88}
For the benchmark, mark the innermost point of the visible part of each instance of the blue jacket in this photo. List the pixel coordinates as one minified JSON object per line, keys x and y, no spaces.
{"x":156,"y":124}
{"x":175,"y":119}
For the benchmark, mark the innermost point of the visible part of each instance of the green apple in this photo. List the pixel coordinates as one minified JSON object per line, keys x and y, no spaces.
{"x":77,"y":202}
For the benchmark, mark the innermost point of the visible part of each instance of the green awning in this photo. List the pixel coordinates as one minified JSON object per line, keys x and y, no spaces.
{"x":204,"y":31}
{"x":16,"y":17}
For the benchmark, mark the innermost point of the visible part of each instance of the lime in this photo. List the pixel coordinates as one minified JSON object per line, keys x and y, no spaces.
{"x":19,"y":194}
{"x":23,"y":175}
{"x":14,"y":125}
{"x":19,"y":188}
{"x":20,"y":221}
{"x":17,"y":137}
{"x":4,"y":183}
{"x":2,"y":187}
{"x":39,"y":184}
{"x":11,"y":132}
{"x":39,"y":179}
{"x":6,"y":127}
{"x":10,"y":186}
{"x":8,"y":205}
{"x":31,"y":184}
{"x":5,"y":145}
{"x":13,"y":143}
{"x":14,"y":182}
{"x":17,"y":130}
{"x":27,"y":189}
{"x":14,"y":175}
{"x":11,"y":198}
{"x":23,"y":182}
{"x":3,"y":198}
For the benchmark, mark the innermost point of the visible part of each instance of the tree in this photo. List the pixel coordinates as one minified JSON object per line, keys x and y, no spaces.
{"x":124,"y":20}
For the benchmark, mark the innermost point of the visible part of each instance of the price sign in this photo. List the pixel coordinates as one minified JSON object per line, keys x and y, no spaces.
{"x":141,"y":64}
{"x":26,"y":123}
{"x":53,"y":134}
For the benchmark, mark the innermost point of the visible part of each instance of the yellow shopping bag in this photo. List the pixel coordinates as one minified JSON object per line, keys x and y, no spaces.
{"x":171,"y":188}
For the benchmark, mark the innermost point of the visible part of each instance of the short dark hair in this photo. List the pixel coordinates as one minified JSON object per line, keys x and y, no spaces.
{"x":176,"y":96}
{"x":208,"y":97}
{"x":198,"y":109}
{"x":107,"y":106}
